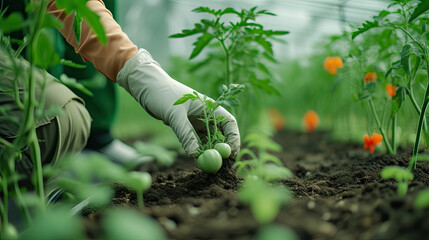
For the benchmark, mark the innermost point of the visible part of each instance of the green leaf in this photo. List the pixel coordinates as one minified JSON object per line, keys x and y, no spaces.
{"x":185,"y":98}
{"x":44,"y":54}
{"x":72,"y":83}
{"x":422,"y":200}
{"x":409,"y":49}
{"x":185,"y":33}
{"x":422,"y":7}
{"x":399,"y":98}
{"x":83,"y":12}
{"x":365,"y":27}
{"x":265,"y":86}
{"x":204,"y":10}
{"x":200,"y":44}
{"x":12,"y":23}
{"x":77,"y":27}
{"x":72,"y":64}
{"x":51,"y":21}
{"x":122,"y":223}
{"x":229,"y":10}
{"x":265,"y":44}
{"x":93,"y":20}
{"x":400,"y":174}
{"x":395,"y":65}
{"x":210,"y":105}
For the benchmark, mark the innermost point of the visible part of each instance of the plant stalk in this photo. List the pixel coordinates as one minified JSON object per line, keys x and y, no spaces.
{"x":140,"y":199}
{"x":380,"y":127}
{"x":413,"y":162}
{"x":394,"y":124}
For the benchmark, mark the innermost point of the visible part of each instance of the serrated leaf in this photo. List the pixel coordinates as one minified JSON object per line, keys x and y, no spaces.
{"x":210,"y":105}
{"x":204,"y":10}
{"x":265,"y":85}
{"x":229,"y":10}
{"x":264,"y":69}
{"x":200,"y":44}
{"x":185,"y":33}
{"x":185,"y":98}
{"x":365,"y":27}
{"x":265,"y":44}
{"x":422,"y":7}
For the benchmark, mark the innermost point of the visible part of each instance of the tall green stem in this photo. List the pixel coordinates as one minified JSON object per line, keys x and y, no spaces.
{"x":394,"y":124}
{"x":207,"y":120}
{"x":140,"y":199}
{"x":227,"y":62}
{"x":380,"y":127}
{"x":413,"y":161}
{"x":5,"y":201}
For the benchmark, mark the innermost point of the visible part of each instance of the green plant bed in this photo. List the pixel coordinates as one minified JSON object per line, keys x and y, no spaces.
{"x":338,"y":194}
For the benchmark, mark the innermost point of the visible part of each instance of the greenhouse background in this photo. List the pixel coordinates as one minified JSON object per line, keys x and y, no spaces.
{"x":149,"y":23}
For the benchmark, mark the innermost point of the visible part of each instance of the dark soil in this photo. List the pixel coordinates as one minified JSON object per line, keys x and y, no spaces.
{"x":338,"y":195}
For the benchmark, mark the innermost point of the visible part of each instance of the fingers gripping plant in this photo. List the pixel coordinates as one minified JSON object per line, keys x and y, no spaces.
{"x":211,"y":121}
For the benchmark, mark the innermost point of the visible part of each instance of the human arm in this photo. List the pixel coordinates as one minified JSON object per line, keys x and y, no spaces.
{"x":142,"y":77}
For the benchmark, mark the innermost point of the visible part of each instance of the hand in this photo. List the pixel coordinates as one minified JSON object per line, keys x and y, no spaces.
{"x":156,"y":91}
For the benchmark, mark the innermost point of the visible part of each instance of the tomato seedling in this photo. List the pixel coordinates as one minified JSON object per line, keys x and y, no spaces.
{"x":214,"y":136}
{"x":400,"y":174}
{"x":139,"y":181}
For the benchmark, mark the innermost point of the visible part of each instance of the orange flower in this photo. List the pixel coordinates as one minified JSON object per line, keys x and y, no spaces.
{"x":310,"y":120}
{"x":370,"y":77}
{"x":391,"y":90}
{"x":372,"y":141}
{"x":332,"y":63}
{"x":276,"y":118}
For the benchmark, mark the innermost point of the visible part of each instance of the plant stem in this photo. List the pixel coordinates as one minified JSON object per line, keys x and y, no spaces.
{"x":140,"y":199}
{"x":413,"y":161}
{"x":227,"y":62}
{"x":380,"y":127}
{"x":5,"y":202}
{"x":206,"y":119}
{"x":394,"y":124}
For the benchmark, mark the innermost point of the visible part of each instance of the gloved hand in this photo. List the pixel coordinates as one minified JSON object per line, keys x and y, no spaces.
{"x":156,"y":91}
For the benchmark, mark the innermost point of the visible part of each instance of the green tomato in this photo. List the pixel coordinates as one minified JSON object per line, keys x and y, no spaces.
{"x":210,"y":161}
{"x":224,"y":150}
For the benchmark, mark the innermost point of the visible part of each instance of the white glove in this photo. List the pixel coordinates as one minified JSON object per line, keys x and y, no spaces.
{"x":156,"y":91}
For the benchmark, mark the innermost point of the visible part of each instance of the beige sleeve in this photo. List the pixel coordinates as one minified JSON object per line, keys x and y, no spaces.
{"x":107,"y":59}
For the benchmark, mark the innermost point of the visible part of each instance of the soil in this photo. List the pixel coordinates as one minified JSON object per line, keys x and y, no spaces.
{"x":337,"y":186}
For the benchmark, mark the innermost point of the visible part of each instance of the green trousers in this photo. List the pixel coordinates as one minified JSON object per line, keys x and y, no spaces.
{"x":62,"y":131}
